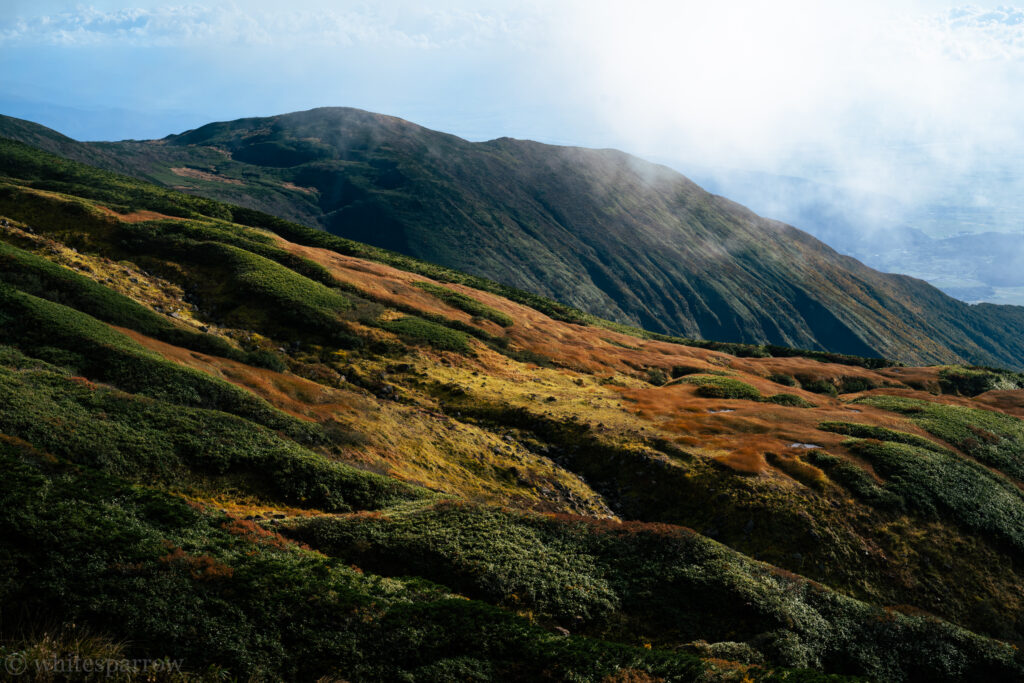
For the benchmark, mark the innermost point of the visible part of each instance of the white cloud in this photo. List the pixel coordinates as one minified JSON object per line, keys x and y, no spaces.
{"x":974,"y":33}
{"x":886,"y":96}
{"x":406,"y":25}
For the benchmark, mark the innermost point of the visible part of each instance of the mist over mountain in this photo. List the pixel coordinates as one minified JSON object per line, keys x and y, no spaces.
{"x":967,"y":245}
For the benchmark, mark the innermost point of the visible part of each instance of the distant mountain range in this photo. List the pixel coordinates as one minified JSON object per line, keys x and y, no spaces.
{"x":612,"y":234}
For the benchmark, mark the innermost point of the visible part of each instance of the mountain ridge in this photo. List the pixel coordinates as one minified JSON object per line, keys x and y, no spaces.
{"x":598,"y":229}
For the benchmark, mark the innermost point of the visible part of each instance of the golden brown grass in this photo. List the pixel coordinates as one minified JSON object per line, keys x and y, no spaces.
{"x":600,"y":379}
{"x":413,"y":443}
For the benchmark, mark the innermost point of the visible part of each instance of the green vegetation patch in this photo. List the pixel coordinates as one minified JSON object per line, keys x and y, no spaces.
{"x":237,"y":602}
{"x":817,"y":385}
{"x":784,"y":379}
{"x":465,"y":303}
{"x":856,"y":480}
{"x":995,"y":439}
{"x":42,"y":278}
{"x":73,"y":340}
{"x":790,"y":400}
{"x":863,"y":431}
{"x":713,"y":386}
{"x":235,"y":598}
{"x":150,"y":440}
{"x":971,"y":381}
{"x":419,"y":331}
{"x":257,"y":282}
{"x":943,"y":483}
{"x":651,"y":581}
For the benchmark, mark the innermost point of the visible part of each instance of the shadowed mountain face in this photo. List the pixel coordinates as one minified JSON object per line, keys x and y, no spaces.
{"x":612,"y":234}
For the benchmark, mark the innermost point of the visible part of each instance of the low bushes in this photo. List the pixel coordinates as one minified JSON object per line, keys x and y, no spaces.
{"x":655,"y":581}
{"x":151,"y":440}
{"x":713,"y":386}
{"x":68,"y":338}
{"x":857,"y":481}
{"x":995,"y":439}
{"x":817,"y":385}
{"x":791,"y":400}
{"x":419,"y":331}
{"x":784,"y":380}
{"x":942,"y":483}
{"x":42,"y":278}
{"x":863,"y":431}
{"x":233,"y":600}
{"x":964,"y":381}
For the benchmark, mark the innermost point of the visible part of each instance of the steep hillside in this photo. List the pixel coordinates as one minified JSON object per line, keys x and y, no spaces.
{"x":265,"y":452}
{"x":597,"y":229}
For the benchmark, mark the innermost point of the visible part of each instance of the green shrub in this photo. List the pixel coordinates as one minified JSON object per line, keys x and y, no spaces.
{"x":656,"y":376}
{"x":817,"y":386}
{"x":713,"y":386}
{"x":420,"y":331}
{"x":278,"y":292}
{"x":640,"y":581}
{"x":972,"y":381}
{"x":790,"y":400}
{"x":37,"y":276}
{"x":68,"y":338}
{"x":856,"y":481}
{"x":266,"y":359}
{"x":941,"y":482}
{"x":851,"y":384}
{"x":783,"y":379}
{"x":150,"y":440}
{"x":863,"y":431}
{"x":683,"y":370}
{"x":996,"y":439}
{"x":222,"y":595}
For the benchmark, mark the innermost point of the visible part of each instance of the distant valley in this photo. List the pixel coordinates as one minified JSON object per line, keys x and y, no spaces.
{"x":973,"y":254}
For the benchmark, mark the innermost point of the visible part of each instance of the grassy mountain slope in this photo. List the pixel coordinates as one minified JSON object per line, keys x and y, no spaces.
{"x":597,"y":229}
{"x":268,"y":458}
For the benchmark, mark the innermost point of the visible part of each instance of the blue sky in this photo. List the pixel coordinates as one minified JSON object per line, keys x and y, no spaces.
{"x":869,"y":94}
{"x":164,"y":67}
